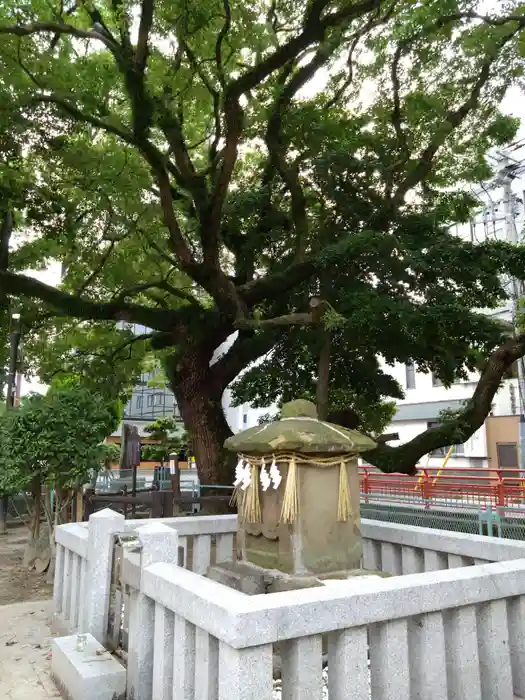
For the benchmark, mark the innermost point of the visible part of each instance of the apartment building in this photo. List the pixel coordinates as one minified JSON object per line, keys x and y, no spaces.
{"x":149,"y":401}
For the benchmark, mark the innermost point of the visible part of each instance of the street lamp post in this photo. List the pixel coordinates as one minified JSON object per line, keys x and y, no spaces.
{"x":14,"y":345}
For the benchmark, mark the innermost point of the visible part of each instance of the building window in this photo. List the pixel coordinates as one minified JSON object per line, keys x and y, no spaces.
{"x":507,"y":455}
{"x":149,"y":401}
{"x":159,"y":399}
{"x":436,"y":381}
{"x":443,"y":451}
{"x":140,"y":401}
{"x":245,"y":418}
{"x":410,"y":372}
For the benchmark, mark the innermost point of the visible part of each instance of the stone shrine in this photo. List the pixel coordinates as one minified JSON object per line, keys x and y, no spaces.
{"x":297,"y":492}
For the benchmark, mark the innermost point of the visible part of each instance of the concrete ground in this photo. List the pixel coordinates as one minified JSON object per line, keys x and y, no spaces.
{"x":25,"y":651}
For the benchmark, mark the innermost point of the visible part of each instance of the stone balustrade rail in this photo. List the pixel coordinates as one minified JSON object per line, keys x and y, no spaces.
{"x":448,"y":625}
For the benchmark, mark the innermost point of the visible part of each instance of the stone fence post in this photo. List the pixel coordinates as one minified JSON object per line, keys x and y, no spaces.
{"x":102,"y":526}
{"x":148,"y":624}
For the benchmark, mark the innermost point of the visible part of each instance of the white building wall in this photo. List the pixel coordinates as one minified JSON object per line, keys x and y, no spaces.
{"x":425,"y":393}
{"x":244,"y":416}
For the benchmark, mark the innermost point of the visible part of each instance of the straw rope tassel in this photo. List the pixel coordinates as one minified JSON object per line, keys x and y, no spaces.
{"x":290,"y":504}
{"x":344,"y":506}
{"x":251,"y":502}
{"x":234,"y":500}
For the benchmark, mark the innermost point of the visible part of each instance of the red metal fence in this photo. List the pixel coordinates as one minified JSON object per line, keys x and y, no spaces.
{"x":459,"y":486}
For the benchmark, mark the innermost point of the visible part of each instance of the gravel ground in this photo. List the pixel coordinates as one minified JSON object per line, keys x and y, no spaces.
{"x":17,"y":583}
{"x":25,"y":651}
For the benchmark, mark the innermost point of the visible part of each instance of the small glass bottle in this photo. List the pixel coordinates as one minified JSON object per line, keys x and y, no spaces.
{"x":81,"y":642}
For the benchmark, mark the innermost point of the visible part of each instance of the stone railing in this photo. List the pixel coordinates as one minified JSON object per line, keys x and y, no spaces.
{"x":71,"y":576}
{"x":456,"y":633}
{"x":81,"y":590}
{"x":405,"y":549}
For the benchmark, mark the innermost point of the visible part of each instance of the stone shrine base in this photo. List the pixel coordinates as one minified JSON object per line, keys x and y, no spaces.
{"x":89,"y":674}
{"x":250,"y":579}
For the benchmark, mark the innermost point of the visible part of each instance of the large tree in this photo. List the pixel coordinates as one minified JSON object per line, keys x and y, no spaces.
{"x":201,"y":168}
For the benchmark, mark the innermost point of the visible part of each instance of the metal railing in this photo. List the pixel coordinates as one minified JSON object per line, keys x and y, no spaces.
{"x":469,"y":500}
{"x":460,"y":487}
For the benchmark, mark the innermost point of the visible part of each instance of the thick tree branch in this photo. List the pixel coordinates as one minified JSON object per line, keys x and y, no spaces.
{"x":6,"y":230}
{"x":55,"y":28}
{"x":277,"y":149}
{"x":146,"y":20}
{"x":210,"y":226}
{"x":310,"y":318}
{"x":457,"y":430}
{"x":275,"y":283}
{"x":296,"y":319}
{"x":221,"y":36}
{"x":248,"y":347}
{"x":375,"y":20}
{"x":75,"y":306}
{"x":80,"y":116}
{"x":397,"y":119}
{"x":132,"y":341}
{"x":157,"y":164}
{"x":191,"y":180}
{"x":177,"y":242}
{"x":314,"y":28}
{"x":159,"y":284}
{"x":216,"y":97}
{"x":98,"y":269}
{"x":122,"y":22}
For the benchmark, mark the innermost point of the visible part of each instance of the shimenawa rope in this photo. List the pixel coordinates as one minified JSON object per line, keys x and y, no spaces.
{"x":250,"y":507}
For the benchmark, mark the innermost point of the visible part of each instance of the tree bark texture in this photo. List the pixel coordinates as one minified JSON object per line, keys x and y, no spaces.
{"x":198,"y":392}
{"x":323,"y":376}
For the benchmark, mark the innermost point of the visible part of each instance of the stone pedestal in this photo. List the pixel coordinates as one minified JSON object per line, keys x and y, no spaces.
{"x":316,"y":543}
{"x":298,"y":496}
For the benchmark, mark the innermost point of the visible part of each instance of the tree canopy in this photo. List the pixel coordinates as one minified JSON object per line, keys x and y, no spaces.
{"x":168,"y":439}
{"x":206,"y":168}
{"x":54,"y":438}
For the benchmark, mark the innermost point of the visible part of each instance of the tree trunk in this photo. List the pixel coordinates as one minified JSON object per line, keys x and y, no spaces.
{"x":63,"y":498}
{"x":199,"y":392}
{"x":323,"y":376}
{"x":37,"y":541}
{"x":203,"y":415}
{"x":4,"y":503}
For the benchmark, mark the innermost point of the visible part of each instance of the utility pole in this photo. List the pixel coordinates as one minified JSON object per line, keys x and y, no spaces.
{"x":14,"y":345}
{"x":511,"y":234}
